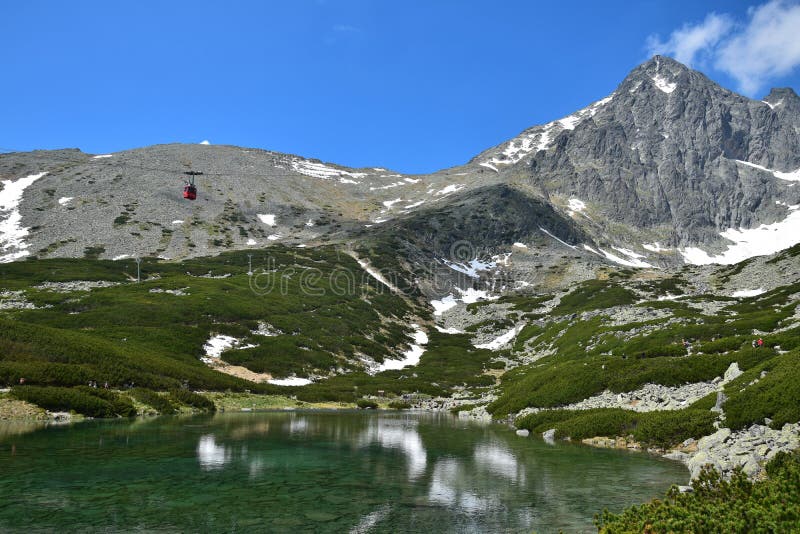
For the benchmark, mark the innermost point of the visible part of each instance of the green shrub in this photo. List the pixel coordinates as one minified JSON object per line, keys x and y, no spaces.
{"x":670,"y":427}
{"x":752,"y":398}
{"x":717,"y":505}
{"x":547,"y":384}
{"x":87,"y":401}
{"x":190,"y":398}
{"x":706,"y":403}
{"x":660,"y":428}
{"x":400,"y":405}
{"x":725,"y":344}
{"x":158,"y":402}
{"x":593,"y":295}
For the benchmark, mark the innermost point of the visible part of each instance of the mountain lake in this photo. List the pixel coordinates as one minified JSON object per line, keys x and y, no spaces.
{"x":315,"y":471}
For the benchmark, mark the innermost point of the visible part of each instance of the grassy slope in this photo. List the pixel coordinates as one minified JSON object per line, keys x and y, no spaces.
{"x":129,"y":333}
{"x":328,"y":313}
{"x":592,"y":355}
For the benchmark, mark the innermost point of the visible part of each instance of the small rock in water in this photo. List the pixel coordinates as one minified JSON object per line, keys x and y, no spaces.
{"x":549,"y":435}
{"x":523,"y":432}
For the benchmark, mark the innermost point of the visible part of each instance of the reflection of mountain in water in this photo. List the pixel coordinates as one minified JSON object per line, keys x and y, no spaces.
{"x":373,"y":472}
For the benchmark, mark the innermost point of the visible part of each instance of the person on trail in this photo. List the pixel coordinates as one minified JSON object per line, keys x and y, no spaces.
{"x":760,"y":342}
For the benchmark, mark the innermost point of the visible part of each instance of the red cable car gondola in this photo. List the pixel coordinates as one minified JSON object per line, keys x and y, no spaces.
{"x":189,"y":189}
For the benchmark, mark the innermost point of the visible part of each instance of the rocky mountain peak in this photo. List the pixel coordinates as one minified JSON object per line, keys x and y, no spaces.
{"x":781,"y":93}
{"x":785,"y":102}
{"x":665,"y":75}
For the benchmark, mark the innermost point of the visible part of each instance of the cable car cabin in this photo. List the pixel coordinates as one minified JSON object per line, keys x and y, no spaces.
{"x":190,"y":192}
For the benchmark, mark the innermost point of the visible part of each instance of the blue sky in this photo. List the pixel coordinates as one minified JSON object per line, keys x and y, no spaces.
{"x":415,"y":86}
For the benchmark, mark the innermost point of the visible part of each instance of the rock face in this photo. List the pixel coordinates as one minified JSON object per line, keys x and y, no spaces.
{"x":662,"y":153}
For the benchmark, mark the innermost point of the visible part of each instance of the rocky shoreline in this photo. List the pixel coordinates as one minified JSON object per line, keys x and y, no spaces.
{"x":725,"y":450}
{"x":749,"y":449}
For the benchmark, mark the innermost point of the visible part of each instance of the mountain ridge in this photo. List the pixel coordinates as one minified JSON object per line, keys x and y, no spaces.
{"x":663,"y":166}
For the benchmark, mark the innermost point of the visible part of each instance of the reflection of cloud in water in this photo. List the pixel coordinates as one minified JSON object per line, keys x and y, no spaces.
{"x":210,"y":455}
{"x":369,"y":521}
{"x":298,"y":425}
{"x":256,"y":467}
{"x":449,"y":488}
{"x":499,"y":461}
{"x":394,"y":434}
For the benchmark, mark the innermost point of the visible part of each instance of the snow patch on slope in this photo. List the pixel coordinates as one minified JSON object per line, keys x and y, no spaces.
{"x":501,"y":340}
{"x":633,"y":259}
{"x":216,"y":345}
{"x":452,"y":188}
{"x":268,"y":218}
{"x":539,"y":137}
{"x":325,"y":172}
{"x":573,"y":247}
{"x":442,"y":305}
{"x":12,"y":233}
{"x":376,"y":275}
{"x":467,"y":296}
{"x":291,"y":381}
{"x":412,"y":355}
{"x":663,"y":84}
{"x":654,"y":247}
{"x":787,"y":205}
{"x":471,"y":268}
{"x":749,"y":242}
{"x":793,"y":176}
{"x":575,"y":204}
{"x":743,"y":293}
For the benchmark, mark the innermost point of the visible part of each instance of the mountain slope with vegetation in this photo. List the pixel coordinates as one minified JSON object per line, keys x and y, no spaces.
{"x":626,"y":275}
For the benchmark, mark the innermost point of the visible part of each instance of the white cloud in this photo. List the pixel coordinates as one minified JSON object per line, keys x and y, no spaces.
{"x":753,"y":52}
{"x":686,"y":43}
{"x":768,"y":47}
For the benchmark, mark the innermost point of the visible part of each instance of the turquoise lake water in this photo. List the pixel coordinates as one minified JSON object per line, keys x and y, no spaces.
{"x":311,"y":472}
